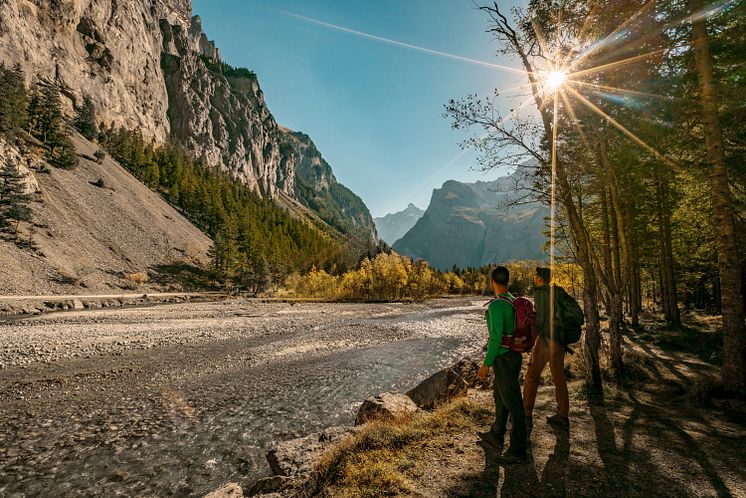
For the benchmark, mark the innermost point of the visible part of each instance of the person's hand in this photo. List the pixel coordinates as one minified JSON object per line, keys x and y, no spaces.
{"x":483,"y":371}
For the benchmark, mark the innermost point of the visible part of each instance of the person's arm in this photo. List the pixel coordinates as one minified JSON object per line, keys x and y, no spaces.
{"x":495,"y":325}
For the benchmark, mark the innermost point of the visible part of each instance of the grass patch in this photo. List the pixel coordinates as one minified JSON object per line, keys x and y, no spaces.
{"x":380,"y":460}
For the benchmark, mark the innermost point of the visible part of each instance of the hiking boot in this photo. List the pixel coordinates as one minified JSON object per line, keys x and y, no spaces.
{"x":559,"y":422}
{"x":511,"y":457}
{"x":496,"y":440}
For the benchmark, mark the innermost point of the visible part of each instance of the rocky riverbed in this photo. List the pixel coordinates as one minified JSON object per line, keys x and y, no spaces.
{"x":175,"y":400}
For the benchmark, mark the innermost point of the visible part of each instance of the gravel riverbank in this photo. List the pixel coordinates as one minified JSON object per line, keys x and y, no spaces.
{"x":177,"y":399}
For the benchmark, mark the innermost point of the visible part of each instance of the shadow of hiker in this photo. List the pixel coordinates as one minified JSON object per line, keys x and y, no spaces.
{"x":553,"y":476}
{"x":520,"y":480}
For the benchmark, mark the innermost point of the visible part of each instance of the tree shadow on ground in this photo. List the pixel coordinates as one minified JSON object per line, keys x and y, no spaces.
{"x":631,"y":470}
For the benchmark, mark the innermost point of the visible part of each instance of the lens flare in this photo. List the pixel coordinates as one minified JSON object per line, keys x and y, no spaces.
{"x":553,"y":80}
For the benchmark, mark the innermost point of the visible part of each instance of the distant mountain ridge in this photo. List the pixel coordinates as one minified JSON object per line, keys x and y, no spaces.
{"x":473,"y":224}
{"x":393,"y":226}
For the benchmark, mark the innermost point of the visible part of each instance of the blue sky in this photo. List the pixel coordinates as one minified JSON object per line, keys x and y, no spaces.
{"x":373,"y":109}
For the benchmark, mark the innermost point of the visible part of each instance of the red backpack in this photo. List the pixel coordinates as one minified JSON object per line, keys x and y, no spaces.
{"x":526,"y":331}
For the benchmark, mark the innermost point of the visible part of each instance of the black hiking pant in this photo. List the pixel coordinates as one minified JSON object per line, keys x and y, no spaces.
{"x":507,"y":393}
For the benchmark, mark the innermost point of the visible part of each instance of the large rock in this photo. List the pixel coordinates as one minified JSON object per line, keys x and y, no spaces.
{"x":445,"y":385}
{"x":268,"y":485}
{"x":26,"y":164}
{"x":297,"y":457}
{"x":230,"y":490}
{"x":385,"y":406}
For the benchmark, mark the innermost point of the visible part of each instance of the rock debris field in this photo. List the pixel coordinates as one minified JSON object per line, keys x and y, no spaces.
{"x":175,"y":400}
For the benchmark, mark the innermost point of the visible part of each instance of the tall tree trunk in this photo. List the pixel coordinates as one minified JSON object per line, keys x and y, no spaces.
{"x":729,"y":262}
{"x":616,"y":317}
{"x":668,"y":278}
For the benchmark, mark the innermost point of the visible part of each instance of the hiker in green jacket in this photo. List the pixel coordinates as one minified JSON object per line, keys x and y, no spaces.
{"x":506,"y":365}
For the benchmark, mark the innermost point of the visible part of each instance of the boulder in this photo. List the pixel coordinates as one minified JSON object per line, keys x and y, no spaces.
{"x":230,"y":490}
{"x":268,"y":485}
{"x":446,"y":384}
{"x":385,"y":405}
{"x":297,"y":457}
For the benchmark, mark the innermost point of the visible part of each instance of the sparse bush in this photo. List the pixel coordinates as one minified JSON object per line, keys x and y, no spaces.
{"x":139,"y":278}
{"x":99,"y":183}
{"x":100,"y":155}
{"x":65,"y":278}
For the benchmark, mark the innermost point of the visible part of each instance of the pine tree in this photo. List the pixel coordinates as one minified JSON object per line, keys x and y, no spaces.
{"x":15,"y":203}
{"x":85,"y":120}
{"x":13,"y":100}
{"x":46,"y":123}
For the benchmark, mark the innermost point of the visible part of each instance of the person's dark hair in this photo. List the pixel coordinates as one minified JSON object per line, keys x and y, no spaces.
{"x":544,"y":273}
{"x":501,"y":275}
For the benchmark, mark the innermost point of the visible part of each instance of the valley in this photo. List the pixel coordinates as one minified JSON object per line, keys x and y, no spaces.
{"x":177,"y":399}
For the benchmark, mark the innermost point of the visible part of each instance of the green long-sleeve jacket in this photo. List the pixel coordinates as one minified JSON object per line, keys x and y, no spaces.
{"x":500,"y":318}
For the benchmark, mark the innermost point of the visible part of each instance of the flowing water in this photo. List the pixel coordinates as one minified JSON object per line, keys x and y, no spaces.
{"x":176,"y":400}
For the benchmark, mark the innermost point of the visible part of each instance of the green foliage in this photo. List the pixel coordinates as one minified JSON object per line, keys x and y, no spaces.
{"x":15,"y":203}
{"x":85,"y":120}
{"x":227,"y":70}
{"x":46,"y":122}
{"x":13,"y":100}
{"x":255,"y":241}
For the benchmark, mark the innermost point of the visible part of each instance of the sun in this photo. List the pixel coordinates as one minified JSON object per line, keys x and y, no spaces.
{"x":553,"y":80}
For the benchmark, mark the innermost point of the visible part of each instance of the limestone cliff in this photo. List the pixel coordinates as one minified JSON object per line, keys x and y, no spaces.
{"x":148,"y":65}
{"x":318,"y":189}
{"x":107,"y":50}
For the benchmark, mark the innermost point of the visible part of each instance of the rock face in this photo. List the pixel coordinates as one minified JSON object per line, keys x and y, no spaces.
{"x":318,"y":189}
{"x":393,"y":226}
{"x":219,"y":112}
{"x":383,"y":406}
{"x":26,"y":164}
{"x":108,"y":50}
{"x":471,"y":224}
{"x":147,"y":65}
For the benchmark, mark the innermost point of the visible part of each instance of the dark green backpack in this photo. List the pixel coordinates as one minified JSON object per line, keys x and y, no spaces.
{"x":570,"y":318}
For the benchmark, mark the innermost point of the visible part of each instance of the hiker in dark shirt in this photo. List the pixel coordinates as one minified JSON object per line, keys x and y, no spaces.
{"x":507,"y":366}
{"x":547,"y":350}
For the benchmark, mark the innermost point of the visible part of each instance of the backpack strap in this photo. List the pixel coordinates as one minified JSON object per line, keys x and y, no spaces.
{"x":508,"y":338}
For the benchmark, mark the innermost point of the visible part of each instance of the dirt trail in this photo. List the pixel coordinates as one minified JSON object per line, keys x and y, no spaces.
{"x":648,"y":439}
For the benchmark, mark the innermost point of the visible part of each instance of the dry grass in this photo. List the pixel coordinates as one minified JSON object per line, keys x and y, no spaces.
{"x":138,"y":278}
{"x":381,"y":459}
